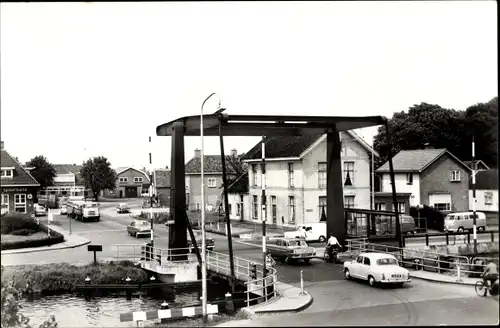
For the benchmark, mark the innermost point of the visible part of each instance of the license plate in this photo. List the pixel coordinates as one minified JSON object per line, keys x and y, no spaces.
{"x":91,"y":213}
{"x":397,"y":276}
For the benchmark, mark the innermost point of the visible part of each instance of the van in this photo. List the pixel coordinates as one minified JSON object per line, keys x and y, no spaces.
{"x":309,"y":231}
{"x":462,"y":221}
{"x":406,"y":223}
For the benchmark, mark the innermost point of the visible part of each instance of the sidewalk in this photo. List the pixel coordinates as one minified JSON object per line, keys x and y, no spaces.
{"x":70,"y":241}
{"x":288,"y":299}
{"x":443,"y":278}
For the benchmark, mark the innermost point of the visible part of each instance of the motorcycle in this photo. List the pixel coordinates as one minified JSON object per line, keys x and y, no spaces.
{"x":334,"y":258}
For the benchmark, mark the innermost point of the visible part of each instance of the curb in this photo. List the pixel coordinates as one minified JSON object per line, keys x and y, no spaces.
{"x":443,"y":282}
{"x":300,"y":308}
{"x":44,"y":248}
{"x":222,"y":233}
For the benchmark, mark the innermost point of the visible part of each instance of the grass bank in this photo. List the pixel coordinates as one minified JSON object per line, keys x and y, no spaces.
{"x":63,"y":278}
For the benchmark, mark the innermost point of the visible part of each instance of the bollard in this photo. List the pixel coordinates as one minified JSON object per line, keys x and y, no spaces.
{"x":302,"y":282}
{"x":164,"y":306}
{"x":128,"y":291}
{"x":459,"y":278}
{"x":88,"y":292}
{"x":229,"y":304}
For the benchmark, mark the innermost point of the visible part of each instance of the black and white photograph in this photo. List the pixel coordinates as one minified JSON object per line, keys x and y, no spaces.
{"x":249,"y":164}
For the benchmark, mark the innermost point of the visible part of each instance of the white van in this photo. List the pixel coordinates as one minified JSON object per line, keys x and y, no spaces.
{"x":464,"y":221}
{"x":309,"y":231}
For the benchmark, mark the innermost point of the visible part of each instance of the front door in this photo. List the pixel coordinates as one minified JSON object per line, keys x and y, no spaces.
{"x":121,"y":193}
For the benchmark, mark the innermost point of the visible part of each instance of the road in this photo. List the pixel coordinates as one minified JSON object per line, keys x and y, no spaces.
{"x":336,"y":301}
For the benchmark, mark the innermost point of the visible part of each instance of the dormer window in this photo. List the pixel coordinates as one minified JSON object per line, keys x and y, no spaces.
{"x":7,"y":172}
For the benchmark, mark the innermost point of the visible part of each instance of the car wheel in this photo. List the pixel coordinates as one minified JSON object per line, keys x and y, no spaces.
{"x":307,"y":261}
{"x":287,"y":260}
{"x":400,"y":285}
{"x":461,"y":229}
{"x":136,"y":235}
{"x":371,"y":281}
{"x":409,"y":233}
{"x":347,"y":274}
{"x":322,"y":239}
{"x":481,"y":229}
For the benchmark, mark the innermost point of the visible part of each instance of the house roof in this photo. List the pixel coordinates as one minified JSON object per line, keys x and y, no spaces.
{"x":211,"y":163}
{"x":478,"y":163}
{"x":123,"y":169}
{"x":295,"y":146}
{"x":486,"y":180}
{"x":21,"y":177}
{"x":67,"y":168}
{"x":162,"y":178}
{"x":416,"y":160}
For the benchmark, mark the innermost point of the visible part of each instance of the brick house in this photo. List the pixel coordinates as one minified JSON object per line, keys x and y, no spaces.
{"x":130,"y":183}
{"x":18,"y":188}
{"x":213,"y":180}
{"x":238,"y":196}
{"x":296,"y":177}
{"x":486,"y":195}
{"x":161,"y":186}
{"x":433,"y":177}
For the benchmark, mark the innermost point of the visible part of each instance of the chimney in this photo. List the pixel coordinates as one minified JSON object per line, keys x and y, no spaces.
{"x":234,"y":152}
{"x":197,"y":153}
{"x":1,"y":145}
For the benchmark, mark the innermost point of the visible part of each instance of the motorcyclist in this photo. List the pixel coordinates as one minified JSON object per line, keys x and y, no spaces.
{"x":490,"y":274}
{"x":332,"y":245}
{"x":269,"y":260}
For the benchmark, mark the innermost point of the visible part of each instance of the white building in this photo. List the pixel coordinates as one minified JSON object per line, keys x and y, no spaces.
{"x":486,"y":195}
{"x":296,"y":179}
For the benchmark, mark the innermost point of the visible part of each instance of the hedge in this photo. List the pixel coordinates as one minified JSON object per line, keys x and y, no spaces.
{"x":17,"y":221}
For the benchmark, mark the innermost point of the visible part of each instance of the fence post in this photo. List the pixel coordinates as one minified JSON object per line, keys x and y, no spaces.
{"x":439,"y":264}
{"x":459,"y":279}
{"x":301,"y":282}
{"x":447,"y":241}
{"x":248,"y":293}
{"x":492,"y":237}
{"x":468,"y":238}
{"x":426,"y":239}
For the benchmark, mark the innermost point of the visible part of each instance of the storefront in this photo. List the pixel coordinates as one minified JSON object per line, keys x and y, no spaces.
{"x":18,"y":199}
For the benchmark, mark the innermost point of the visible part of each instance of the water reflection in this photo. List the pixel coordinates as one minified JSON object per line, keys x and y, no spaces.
{"x":72,"y":311}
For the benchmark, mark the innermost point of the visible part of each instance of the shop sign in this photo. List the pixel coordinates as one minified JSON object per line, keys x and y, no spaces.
{"x":12,"y":190}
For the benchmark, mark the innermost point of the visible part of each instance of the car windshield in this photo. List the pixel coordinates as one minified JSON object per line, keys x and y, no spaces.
{"x":93,"y":205}
{"x":141,"y":223}
{"x":387,"y":261}
{"x":449,"y":217}
{"x":297,"y":243}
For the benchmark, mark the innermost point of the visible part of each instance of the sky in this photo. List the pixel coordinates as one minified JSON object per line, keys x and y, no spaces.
{"x":80,"y":80}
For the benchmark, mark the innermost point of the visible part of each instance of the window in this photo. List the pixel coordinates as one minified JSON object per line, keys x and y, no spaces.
{"x":366,"y":261}
{"x":348,"y":173}
{"x":254,"y":174}
{"x":212,"y":183}
{"x":322,"y":208}
{"x":123,"y":179}
{"x":255,"y":208}
{"x":349,"y":201}
{"x":274,"y":209}
{"x":20,"y":203}
{"x":409,"y":178}
{"x":442,"y":206}
{"x":7,"y":173}
{"x":138,"y":179}
{"x":5,"y":202}
{"x":241,"y":198}
{"x":291,"y":209}
{"x":359,"y":259}
{"x":454,"y":175}
{"x":238,"y":209}
{"x":290,"y":175}
{"x":322,"y":175}
{"x":401,"y":207}
{"x":380,"y":207}
{"x":488,"y":197}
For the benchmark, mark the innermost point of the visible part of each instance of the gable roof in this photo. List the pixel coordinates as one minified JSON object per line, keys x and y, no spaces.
{"x":296,"y":146}
{"x":131,"y":168}
{"x":478,"y":162}
{"x":67,"y":168}
{"x":21,"y":177}
{"x":486,"y":180}
{"x":162,"y":178}
{"x":416,"y":160}
{"x":211,"y":163}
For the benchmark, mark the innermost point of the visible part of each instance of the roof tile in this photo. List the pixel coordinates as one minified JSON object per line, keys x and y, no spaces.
{"x":282,"y":146}
{"x":162,"y":178}
{"x":67,"y":168}
{"x":412,"y":160}
{"x":21,"y":176}
{"x":212,"y":164}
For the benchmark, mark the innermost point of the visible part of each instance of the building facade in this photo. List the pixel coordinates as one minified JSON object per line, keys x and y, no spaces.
{"x":130,"y":183}
{"x":296,"y":178}
{"x":18,"y":188}
{"x":432,"y":177}
{"x":486,"y":196}
{"x":161,"y":186}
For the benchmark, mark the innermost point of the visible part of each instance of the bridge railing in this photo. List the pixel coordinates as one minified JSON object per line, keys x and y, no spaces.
{"x":452,"y":238}
{"x":455,"y":265}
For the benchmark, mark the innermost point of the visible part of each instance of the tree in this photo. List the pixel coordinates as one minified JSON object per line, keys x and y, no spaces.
{"x":235,"y":168}
{"x":43,"y":171}
{"x":442,"y":128}
{"x":98,"y":175}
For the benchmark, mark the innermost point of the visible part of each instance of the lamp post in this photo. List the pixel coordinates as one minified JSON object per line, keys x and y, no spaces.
{"x":474,"y":197}
{"x":264,"y":213}
{"x":203,"y":232}
{"x":151,"y":193}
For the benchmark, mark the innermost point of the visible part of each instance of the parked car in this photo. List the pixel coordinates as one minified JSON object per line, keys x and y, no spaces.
{"x":291,"y":249}
{"x":386,"y":225}
{"x":459,"y":222}
{"x":40,"y":210}
{"x":210,"y":242}
{"x":376,"y":268}
{"x":138,"y":228}
{"x":309,"y":232}
{"x":64,"y":210}
{"x":122,"y":208}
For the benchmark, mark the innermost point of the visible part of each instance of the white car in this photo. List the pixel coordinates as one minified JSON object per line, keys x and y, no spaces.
{"x":376,"y":268}
{"x":40,"y":210}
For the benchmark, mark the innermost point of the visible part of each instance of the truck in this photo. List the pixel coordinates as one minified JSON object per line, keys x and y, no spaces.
{"x":83,"y":211}
{"x":49,"y":201}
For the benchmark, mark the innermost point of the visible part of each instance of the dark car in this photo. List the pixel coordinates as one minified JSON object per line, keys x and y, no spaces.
{"x":210,"y":242}
{"x":291,"y":249}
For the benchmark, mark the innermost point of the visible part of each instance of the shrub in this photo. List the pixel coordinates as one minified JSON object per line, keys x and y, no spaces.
{"x":17,"y":221}
{"x":23,"y":232}
{"x":158,"y":217}
{"x":55,"y":238}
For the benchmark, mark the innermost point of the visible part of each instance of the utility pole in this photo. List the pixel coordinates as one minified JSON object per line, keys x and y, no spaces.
{"x":151,"y":193}
{"x":263,"y":182}
{"x":474,"y":196}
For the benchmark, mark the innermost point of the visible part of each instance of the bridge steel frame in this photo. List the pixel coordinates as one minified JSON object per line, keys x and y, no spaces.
{"x":269,"y":125}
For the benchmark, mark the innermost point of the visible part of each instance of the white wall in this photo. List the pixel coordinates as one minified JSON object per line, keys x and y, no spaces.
{"x":480,"y":201}
{"x":402,"y":186}
{"x":70,"y":177}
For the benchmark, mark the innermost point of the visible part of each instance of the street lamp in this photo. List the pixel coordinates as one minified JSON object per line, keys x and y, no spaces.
{"x":203,"y":232}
